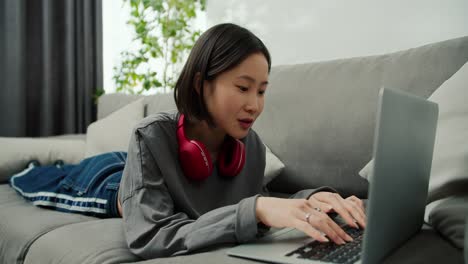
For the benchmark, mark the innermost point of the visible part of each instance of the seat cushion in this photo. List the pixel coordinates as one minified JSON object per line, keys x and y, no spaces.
{"x":99,"y":241}
{"x":448,"y":216}
{"x":213,"y":256}
{"x":21,"y":223}
{"x":425,"y":247}
{"x":29,"y":234}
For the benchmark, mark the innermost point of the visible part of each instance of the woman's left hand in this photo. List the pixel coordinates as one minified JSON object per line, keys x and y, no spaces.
{"x":351,"y":209}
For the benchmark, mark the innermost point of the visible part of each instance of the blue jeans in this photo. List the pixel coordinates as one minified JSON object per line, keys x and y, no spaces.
{"x":89,"y":187}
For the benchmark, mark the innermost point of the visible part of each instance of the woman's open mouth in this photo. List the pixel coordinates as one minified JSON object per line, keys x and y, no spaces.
{"x":246,"y":123}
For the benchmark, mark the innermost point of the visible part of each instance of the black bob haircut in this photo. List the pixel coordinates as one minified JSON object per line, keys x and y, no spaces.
{"x":219,"y":49}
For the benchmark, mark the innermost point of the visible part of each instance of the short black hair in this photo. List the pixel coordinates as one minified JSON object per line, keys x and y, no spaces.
{"x":219,"y":49}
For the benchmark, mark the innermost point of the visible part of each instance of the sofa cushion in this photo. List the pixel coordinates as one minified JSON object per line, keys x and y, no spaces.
{"x":449,"y":172}
{"x":449,"y":218}
{"x":99,"y":241}
{"x":311,"y":113}
{"x":319,"y":118}
{"x":422,"y":70}
{"x":160,"y":103}
{"x":273,"y":166}
{"x":109,"y":103}
{"x":15,"y":153}
{"x":112,"y":133}
{"x":214,"y":256}
{"x":424,"y":247}
{"x":22,"y":223}
{"x":80,"y":137}
{"x":465,"y":249}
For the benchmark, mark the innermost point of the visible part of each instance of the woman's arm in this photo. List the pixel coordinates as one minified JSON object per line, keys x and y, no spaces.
{"x":160,"y":232}
{"x":155,"y":228}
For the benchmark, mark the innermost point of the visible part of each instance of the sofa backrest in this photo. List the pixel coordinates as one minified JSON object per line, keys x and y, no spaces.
{"x":109,"y":103}
{"x":319,"y":117}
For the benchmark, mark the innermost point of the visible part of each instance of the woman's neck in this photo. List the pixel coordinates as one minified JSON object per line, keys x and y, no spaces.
{"x":212,"y":138}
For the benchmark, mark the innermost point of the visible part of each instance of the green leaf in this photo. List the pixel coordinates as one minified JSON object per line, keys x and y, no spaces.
{"x":146,"y":85}
{"x":156,"y":83}
{"x":162,"y":33}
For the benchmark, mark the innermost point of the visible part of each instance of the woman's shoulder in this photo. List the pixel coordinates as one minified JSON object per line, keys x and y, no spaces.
{"x":254,"y":141}
{"x":167,"y":119}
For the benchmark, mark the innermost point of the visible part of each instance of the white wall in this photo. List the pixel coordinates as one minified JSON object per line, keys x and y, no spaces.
{"x":117,"y":37}
{"x":297,"y":31}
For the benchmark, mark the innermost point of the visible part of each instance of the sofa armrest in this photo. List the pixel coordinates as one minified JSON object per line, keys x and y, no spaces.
{"x":15,"y":153}
{"x":81,"y":137}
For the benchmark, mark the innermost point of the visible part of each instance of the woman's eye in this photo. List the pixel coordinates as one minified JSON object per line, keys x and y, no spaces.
{"x":243,"y":89}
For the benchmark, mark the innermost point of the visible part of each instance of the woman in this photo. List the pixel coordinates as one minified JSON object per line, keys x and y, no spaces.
{"x":193,"y":177}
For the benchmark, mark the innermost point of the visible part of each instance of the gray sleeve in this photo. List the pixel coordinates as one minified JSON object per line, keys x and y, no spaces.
{"x":305,"y":194}
{"x":154,"y":228}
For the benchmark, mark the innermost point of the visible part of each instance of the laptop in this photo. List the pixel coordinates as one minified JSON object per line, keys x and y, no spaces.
{"x":403,"y":147}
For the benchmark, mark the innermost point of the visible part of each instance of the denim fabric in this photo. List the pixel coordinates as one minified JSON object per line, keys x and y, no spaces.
{"x":89,"y":187}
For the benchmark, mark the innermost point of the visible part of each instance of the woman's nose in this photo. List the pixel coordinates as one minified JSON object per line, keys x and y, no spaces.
{"x":251,"y":105}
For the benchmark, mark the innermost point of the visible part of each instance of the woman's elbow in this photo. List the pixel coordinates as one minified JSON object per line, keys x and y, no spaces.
{"x":152,"y":249}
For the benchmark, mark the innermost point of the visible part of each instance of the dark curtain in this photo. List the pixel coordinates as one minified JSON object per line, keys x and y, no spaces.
{"x":50,"y":66}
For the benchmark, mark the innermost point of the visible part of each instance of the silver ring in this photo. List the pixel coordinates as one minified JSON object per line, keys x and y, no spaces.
{"x":307,"y":217}
{"x":318,"y":209}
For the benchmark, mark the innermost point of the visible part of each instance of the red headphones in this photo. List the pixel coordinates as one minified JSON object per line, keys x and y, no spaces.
{"x":195,"y":158}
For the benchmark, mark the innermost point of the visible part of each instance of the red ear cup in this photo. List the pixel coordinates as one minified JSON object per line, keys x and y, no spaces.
{"x":196,"y":161}
{"x":194,"y":157}
{"x":232,"y":157}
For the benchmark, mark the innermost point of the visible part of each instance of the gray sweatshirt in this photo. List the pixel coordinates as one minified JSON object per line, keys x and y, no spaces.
{"x":166,"y":214}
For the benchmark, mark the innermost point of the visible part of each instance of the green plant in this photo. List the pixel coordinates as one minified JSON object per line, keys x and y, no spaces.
{"x":164,"y":37}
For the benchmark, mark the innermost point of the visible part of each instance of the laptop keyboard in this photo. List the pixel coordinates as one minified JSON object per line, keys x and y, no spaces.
{"x":331,"y":252}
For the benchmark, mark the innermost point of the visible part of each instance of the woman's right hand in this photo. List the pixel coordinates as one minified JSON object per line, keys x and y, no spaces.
{"x":302,"y":215}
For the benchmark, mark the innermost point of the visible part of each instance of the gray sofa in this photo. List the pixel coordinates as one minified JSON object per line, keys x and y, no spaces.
{"x":318,"y":119}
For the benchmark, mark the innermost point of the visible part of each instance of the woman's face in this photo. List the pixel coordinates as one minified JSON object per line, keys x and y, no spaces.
{"x":235,"y":98}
